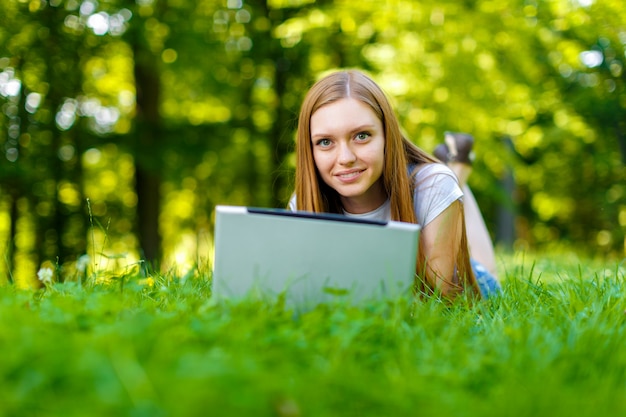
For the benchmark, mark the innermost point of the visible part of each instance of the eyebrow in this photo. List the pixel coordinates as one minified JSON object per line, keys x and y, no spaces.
{"x":360,"y":128}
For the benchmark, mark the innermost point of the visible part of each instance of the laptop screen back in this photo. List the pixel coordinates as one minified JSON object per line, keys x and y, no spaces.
{"x":310,"y":258}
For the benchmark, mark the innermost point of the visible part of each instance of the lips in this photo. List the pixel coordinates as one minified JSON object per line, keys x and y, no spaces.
{"x":349,"y":176}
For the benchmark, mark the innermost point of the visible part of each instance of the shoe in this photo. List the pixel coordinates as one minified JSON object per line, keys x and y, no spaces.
{"x":441,"y":152}
{"x":457,"y":148}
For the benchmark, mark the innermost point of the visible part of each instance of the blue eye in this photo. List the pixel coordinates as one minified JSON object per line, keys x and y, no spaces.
{"x":324,"y":143}
{"x":362,"y":136}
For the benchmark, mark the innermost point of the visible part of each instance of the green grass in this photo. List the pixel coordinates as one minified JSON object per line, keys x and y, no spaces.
{"x":554,"y":344}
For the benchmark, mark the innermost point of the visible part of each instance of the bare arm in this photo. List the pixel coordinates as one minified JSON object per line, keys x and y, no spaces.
{"x":440,"y":243}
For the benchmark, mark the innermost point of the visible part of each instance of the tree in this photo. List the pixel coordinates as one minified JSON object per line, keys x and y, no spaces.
{"x":43,"y":176}
{"x":131,"y":120}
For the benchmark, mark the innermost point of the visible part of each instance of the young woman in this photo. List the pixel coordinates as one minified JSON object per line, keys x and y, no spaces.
{"x":353,"y":159}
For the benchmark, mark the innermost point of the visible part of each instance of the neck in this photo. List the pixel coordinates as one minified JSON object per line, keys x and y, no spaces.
{"x":366,"y":203}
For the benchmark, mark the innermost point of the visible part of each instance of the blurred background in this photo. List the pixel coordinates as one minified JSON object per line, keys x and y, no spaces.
{"x":123,"y":123}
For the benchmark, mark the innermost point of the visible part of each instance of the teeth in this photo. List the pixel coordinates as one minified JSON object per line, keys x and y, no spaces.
{"x":350,"y":175}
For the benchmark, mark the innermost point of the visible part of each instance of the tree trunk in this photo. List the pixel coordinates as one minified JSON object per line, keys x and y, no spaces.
{"x":148,"y":145}
{"x":10,"y":252}
{"x":147,"y":187}
{"x":286,"y":65}
{"x":505,"y":226}
{"x":621,"y":139}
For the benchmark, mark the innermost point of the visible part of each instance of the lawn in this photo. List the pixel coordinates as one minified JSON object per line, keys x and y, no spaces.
{"x":553,"y":344}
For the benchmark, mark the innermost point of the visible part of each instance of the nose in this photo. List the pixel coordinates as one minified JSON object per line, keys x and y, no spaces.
{"x":346,"y":154}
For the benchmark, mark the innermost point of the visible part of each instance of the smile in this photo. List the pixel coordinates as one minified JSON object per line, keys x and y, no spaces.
{"x":349,"y":175}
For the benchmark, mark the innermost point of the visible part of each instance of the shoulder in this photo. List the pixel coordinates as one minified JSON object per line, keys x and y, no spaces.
{"x":430,"y":169}
{"x":432,"y":174}
{"x":436,"y":188}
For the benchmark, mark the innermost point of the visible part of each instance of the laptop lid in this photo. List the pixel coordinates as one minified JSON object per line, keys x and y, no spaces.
{"x":310,"y":258}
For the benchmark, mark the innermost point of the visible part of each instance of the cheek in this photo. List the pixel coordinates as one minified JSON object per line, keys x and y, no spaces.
{"x":376,"y":157}
{"x":321,"y":160}
{"x":381,"y":155}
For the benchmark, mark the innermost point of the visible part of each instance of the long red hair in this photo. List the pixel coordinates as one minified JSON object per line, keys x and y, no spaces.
{"x":313,"y":195}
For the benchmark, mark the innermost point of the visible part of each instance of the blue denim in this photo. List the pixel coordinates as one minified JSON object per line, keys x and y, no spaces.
{"x":488,"y":284}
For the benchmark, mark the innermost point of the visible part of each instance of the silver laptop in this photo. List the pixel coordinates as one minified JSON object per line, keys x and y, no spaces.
{"x":310,"y":258}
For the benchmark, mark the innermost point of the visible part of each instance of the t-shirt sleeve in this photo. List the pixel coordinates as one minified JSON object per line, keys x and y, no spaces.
{"x":292,"y":203}
{"x":436,"y":188}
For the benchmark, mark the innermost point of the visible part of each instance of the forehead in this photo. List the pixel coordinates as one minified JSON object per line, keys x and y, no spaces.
{"x":346,"y":113}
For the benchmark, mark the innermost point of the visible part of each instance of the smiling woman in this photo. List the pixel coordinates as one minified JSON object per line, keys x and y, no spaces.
{"x":349,"y":149}
{"x":352,"y":159}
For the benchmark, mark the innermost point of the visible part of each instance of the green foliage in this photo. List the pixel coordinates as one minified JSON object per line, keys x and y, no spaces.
{"x":202,"y":98}
{"x":552,"y":344}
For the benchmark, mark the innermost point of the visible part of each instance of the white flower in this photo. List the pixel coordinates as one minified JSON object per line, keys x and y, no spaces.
{"x":45,"y":275}
{"x":82,"y":263}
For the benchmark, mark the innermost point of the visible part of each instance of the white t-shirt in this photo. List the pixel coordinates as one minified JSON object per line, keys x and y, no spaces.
{"x":436,"y":189}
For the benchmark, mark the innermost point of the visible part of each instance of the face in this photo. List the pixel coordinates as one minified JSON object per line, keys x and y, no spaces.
{"x":349,"y":150}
